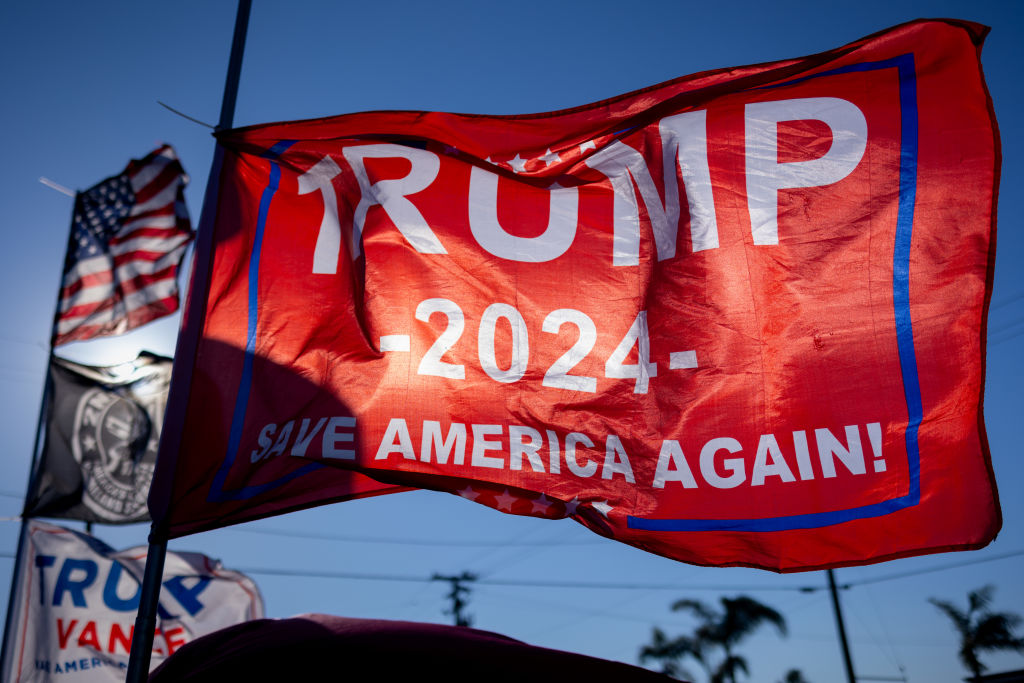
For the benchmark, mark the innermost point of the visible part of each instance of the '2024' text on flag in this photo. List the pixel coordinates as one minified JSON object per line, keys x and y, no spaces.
{"x":735,"y":319}
{"x":128,"y":236}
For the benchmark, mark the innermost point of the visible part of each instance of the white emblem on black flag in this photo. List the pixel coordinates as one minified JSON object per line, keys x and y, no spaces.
{"x":103,"y":428}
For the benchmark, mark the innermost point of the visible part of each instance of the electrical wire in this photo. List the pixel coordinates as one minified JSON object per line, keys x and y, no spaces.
{"x":599,"y":585}
{"x":529,"y":583}
{"x":412,"y":541}
{"x":1007,"y":301}
{"x":918,"y":572}
{"x":519,"y":583}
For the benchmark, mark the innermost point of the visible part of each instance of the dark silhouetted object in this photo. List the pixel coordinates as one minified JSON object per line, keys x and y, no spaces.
{"x":458,"y":595}
{"x":722,"y":630}
{"x":316,"y":647}
{"x":981,"y":629}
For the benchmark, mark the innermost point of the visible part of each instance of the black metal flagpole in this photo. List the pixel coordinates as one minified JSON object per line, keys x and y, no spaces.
{"x":10,"y":629}
{"x":145,"y":621}
{"x":847,"y":661}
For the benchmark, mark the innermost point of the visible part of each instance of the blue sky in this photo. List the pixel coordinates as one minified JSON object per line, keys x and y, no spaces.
{"x":80,"y":86}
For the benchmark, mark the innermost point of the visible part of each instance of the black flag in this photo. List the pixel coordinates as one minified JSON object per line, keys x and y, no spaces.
{"x":102,"y":431}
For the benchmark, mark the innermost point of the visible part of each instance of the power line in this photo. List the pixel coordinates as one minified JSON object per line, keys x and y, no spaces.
{"x":1002,"y":333}
{"x":483,"y":543}
{"x":561,"y":606}
{"x":459,"y":596}
{"x":1006,"y":302}
{"x":519,"y":583}
{"x":1008,"y":337}
{"x":528,"y":583}
{"x":597,"y":585}
{"x":634,"y":586}
{"x":917,"y":572}
{"x":524,"y":583}
{"x":410,"y":541}
{"x":1006,"y":324}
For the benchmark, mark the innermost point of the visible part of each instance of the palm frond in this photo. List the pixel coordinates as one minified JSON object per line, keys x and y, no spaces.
{"x":979,"y":600}
{"x":981,"y":629}
{"x":698,"y":608}
{"x":744,"y":615}
{"x":995,"y":632}
{"x":960,"y":619}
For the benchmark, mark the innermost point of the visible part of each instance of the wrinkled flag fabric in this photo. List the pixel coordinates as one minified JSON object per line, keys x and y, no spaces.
{"x":102,"y":432}
{"x":128,"y":236}
{"x":75,"y":601}
{"x":735,"y":319}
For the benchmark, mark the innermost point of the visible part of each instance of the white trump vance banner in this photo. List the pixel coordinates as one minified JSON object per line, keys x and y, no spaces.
{"x":76,"y":600}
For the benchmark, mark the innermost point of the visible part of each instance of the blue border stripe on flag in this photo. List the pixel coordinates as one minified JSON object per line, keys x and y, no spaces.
{"x":904,"y":65}
{"x":217,"y":492}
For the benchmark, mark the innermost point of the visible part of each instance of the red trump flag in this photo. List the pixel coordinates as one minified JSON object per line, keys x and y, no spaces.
{"x":735,"y":319}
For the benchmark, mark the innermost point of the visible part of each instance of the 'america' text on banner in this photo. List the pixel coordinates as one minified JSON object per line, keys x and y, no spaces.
{"x":75,"y":598}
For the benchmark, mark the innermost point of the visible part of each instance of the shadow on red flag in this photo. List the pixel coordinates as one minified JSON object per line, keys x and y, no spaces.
{"x":736,"y":318}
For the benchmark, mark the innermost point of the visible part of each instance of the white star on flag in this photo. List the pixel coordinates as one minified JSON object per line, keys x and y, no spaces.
{"x":541,"y":505}
{"x":589,"y":144}
{"x":468,"y":493}
{"x":603,"y":507}
{"x":570,"y":507}
{"x":126,"y":242}
{"x":505,"y":501}
{"x":517,"y":163}
{"x":550,"y":157}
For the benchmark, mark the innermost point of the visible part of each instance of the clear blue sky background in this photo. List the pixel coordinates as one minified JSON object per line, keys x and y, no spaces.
{"x":80,"y":85}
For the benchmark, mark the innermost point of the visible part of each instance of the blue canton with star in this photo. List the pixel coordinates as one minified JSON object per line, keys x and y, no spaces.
{"x":98,"y":215}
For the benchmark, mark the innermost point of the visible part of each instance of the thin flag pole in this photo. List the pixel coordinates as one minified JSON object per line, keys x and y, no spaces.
{"x":847,"y":661}
{"x":145,"y":621}
{"x":10,"y":628}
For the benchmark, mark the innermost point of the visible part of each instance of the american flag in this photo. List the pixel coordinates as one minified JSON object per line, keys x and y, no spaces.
{"x":128,"y":236}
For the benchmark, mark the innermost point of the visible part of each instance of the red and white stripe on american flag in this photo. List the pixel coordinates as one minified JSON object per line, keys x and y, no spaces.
{"x":129,"y":277}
